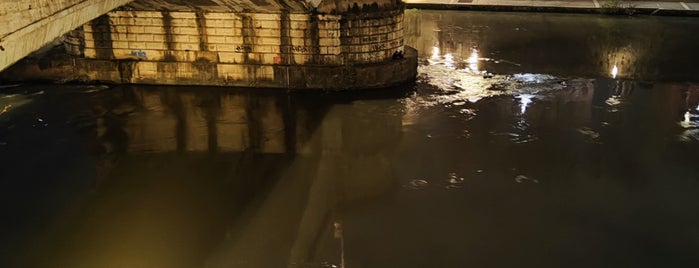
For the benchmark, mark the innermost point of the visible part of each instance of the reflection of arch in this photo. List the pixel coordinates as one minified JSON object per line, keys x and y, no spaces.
{"x":351,"y":164}
{"x":173,"y":120}
{"x":259,"y":197}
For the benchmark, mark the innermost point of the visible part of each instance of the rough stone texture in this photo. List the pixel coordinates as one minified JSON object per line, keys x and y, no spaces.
{"x":325,"y":77}
{"x":279,"y":44}
{"x":32,"y":24}
{"x":246,"y":38}
{"x":339,"y":77}
{"x":278,"y":50}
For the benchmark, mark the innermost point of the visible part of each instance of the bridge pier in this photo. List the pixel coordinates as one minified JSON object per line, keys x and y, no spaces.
{"x":334,"y":45}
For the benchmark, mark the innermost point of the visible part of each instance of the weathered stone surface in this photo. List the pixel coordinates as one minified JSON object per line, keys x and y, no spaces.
{"x":32,"y":24}
{"x":323,"y":77}
{"x":280,"y":44}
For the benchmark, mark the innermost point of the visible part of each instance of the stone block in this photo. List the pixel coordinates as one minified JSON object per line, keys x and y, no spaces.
{"x":175,"y":38}
{"x":268,"y":24}
{"x":231,"y":71}
{"x":329,"y":41}
{"x":186,"y":46}
{"x":268,"y":41}
{"x":299,"y":17}
{"x":268,"y":32}
{"x":329,"y":33}
{"x":184,"y":30}
{"x":183,"y":15}
{"x":267,"y":58}
{"x":220,"y":23}
{"x":137,"y":45}
{"x":133,"y":29}
{"x":156,"y":45}
{"x":301,"y":58}
{"x":300,"y":41}
{"x":299,"y":25}
{"x":216,"y":40}
{"x":147,"y":69}
{"x":297,"y":33}
{"x":234,"y":40}
{"x":334,"y":50}
{"x":181,"y":23}
{"x":230,"y":57}
{"x":144,"y":37}
{"x":267,"y":49}
{"x":227,"y":47}
{"x":222,"y":31}
{"x":329,"y":25}
{"x":141,"y":14}
{"x":153,"y":29}
{"x":220,"y":15}
{"x":118,"y":29}
{"x":90,"y":52}
{"x":120,"y":44}
{"x":266,"y":16}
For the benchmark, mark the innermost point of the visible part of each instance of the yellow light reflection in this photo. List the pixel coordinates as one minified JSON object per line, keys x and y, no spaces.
{"x":473,"y":61}
{"x":615,"y":71}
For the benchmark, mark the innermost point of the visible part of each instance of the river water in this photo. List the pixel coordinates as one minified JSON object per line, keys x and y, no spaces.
{"x":529,"y":140}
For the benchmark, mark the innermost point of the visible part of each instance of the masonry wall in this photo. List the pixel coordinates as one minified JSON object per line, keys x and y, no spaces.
{"x":244,"y":46}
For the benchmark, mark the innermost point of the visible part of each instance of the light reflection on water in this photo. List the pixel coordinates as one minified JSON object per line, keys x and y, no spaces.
{"x":522,"y":169}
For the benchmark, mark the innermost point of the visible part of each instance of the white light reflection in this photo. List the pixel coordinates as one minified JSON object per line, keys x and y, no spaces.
{"x":615,"y":71}
{"x":524,"y":101}
{"x":687,"y":118}
{"x":435,"y":53}
{"x":473,"y":61}
{"x":449,"y":60}
{"x":697,"y":107}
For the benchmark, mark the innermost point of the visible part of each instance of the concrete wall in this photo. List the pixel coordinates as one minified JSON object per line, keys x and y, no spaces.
{"x":27,"y":25}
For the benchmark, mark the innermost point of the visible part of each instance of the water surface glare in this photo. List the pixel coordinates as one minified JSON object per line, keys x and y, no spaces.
{"x":519,"y":146}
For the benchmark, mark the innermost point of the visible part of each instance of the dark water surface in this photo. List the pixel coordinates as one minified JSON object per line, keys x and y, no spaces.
{"x":548,"y":161}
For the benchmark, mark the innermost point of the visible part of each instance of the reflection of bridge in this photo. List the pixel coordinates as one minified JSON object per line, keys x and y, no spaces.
{"x":210,"y":179}
{"x":265,"y":43}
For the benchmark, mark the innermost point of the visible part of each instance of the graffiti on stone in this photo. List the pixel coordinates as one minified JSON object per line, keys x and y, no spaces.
{"x":243,"y":48}
{"x":374,"y":38}
{"x":305,"y":49}
{"x":378,"y":47}
{"x":138,"y":53}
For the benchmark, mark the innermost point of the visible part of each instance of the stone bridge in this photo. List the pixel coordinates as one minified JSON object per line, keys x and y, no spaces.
{"x":291,"y":44}
{"x":27,"y":25}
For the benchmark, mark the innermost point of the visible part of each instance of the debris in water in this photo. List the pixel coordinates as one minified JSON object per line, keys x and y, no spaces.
{"x":416,"y":184}
{"x":613,"y":101}
{"x":588,"y":132}
{"x":454,"y":181}
{"x":9,"y":86}
{"x":522,"y":179}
